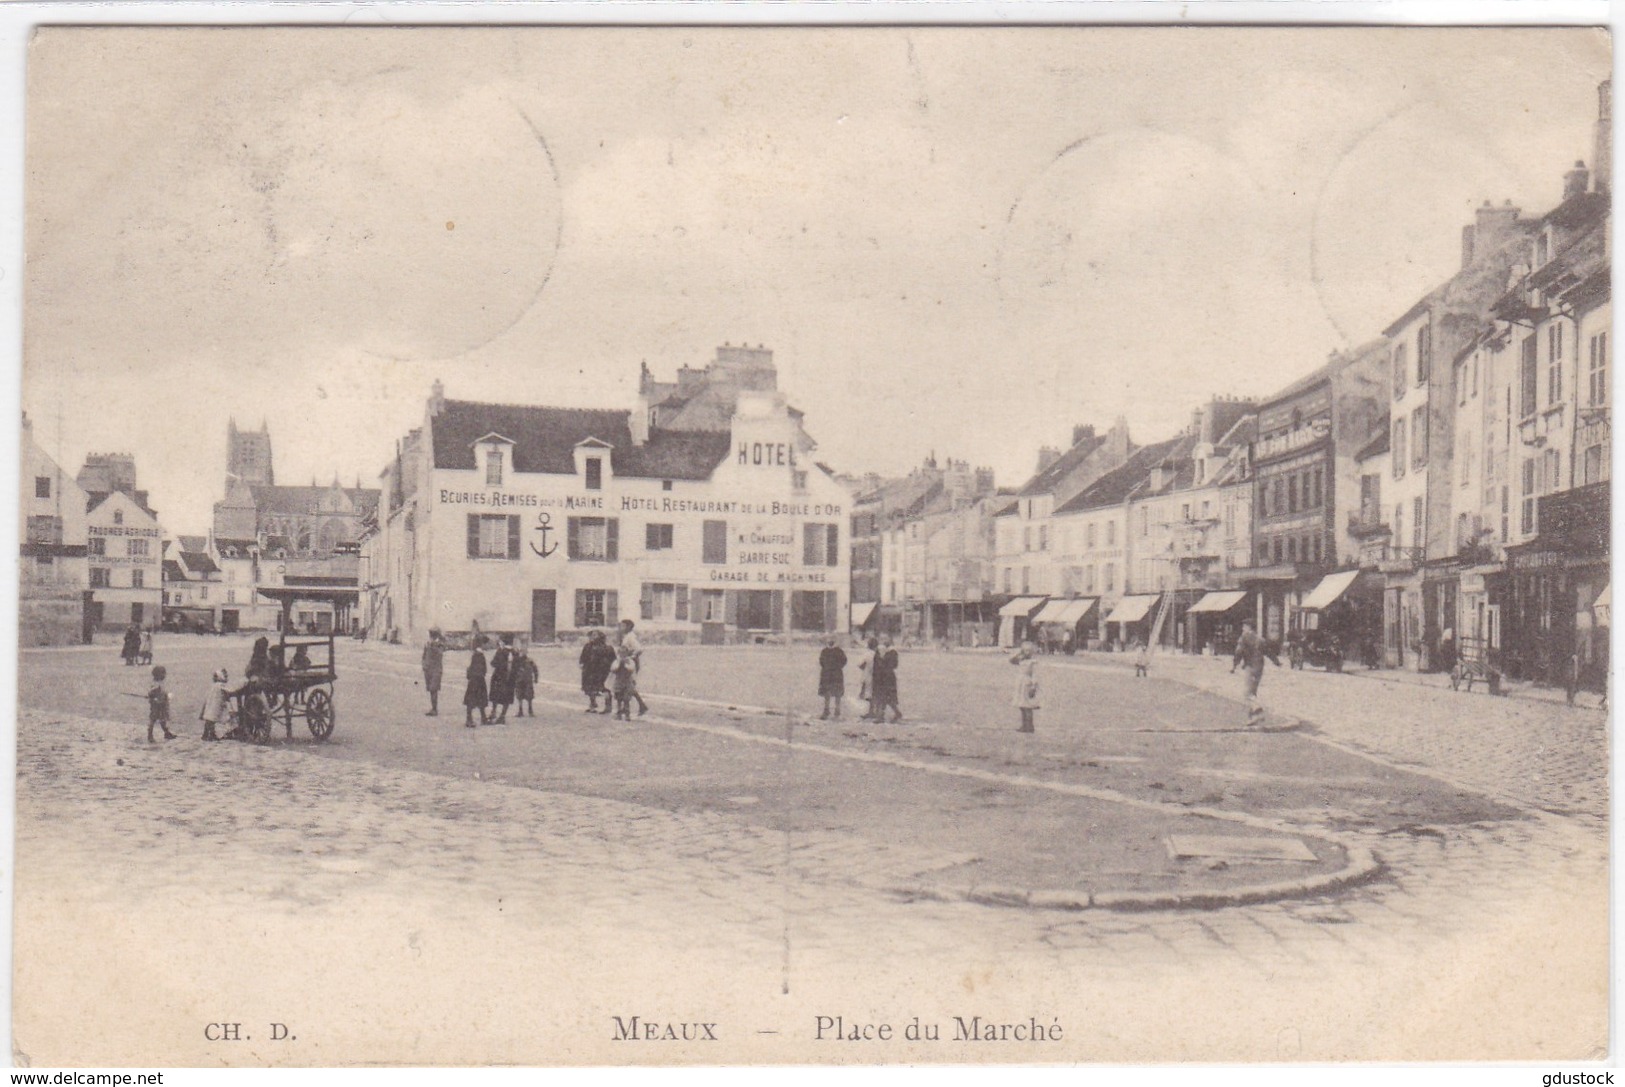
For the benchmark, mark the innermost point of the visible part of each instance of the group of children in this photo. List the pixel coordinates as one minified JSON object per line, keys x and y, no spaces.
{"x":214,"y":709}
{"x":611,"y":671}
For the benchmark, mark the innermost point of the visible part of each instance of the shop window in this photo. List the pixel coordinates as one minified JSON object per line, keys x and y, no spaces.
{"x":593,"y":539}
{"x":596,"y":608}
{"x":811,"y":611}
{"x":756,"y":609}
{"x":42,"y":485}
{"x":657,"y":537}
{"x":493,"y":536}
{"x":714,"y":542}
{"x":712,"y":605}
{"x":658,"y":601}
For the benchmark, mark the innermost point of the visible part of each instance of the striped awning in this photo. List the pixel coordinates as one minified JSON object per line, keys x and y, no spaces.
{"x":1051,"y":612}
{"x":1078,"y":610}
{"x":861,"y":613}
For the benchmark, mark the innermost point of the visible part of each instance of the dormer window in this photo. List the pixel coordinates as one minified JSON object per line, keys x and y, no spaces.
{"x":493,"y":468}
{"x":491,"y":454}
{"x":594,"y":473}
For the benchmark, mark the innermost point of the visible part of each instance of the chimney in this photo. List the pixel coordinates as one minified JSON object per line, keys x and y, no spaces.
{"x":1602,"y":147}
{"x":1466,"y":245}
{"x":1577,"y":181}
{"x":1493,"y":228}
{"x":437,"y":397}
{"x":1047,"y":456}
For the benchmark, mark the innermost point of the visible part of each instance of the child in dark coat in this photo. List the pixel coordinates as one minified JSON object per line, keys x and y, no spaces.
{"x":158,"y":705}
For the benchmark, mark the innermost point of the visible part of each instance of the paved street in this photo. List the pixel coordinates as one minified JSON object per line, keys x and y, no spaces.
{"x":416,"y":890}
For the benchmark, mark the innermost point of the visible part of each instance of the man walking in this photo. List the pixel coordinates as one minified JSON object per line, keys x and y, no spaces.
{"x":629,"y":642}
{"x":1251,"y":651}
{"x":434,"y":659}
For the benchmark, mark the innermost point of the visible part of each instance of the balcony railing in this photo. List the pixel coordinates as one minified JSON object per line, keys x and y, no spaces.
{"x":1366,"y":523}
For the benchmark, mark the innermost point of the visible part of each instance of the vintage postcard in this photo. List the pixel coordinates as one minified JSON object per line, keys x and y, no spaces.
{"x":700,"y":545}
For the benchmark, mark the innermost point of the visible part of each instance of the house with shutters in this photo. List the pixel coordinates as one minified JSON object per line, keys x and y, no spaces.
{"x":548,"y":522}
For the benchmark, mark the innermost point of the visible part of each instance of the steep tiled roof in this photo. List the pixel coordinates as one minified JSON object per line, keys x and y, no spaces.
{"x":173,"y":571}
{"x":193,"y":543}
{"x":1377,"y":446}
{"x":545,"y":440}
{"x":1044,"y":481}
{"x":199,"y":562}
{"x":1116,"y":485}
{"x":274,"y":498}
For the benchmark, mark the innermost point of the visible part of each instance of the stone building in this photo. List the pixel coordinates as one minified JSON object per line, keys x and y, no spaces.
{"x":53,"y":579}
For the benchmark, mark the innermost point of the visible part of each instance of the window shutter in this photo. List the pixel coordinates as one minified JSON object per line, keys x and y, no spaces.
{"x":646,"y":605}
{"x":730,"y":607}
{"x":612,"y":532}
{"x":832,"y":545}
{"x":473,"y":535}
{"x":573,"y":539}
{"x":809,"y":544}
{"x":581,"y":608}
{"x":778,"y":609}
{"x":830,"y":604}
{"x":612,"y":607}
{"x":681,"y":594}
{"x":651,"y":536}
{"x":513,"y":535}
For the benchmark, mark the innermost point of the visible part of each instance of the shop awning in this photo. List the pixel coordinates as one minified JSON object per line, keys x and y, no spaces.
{"x":1603,"y":604}
{"x":1131,"y":609}
{"x":1218,"y":603}
{"x":861,"y":613}
{"x":1051,"y":612}
{"x":1330,"y":589}
{"x":1078,"y":610}
{"x":1022,"y":606}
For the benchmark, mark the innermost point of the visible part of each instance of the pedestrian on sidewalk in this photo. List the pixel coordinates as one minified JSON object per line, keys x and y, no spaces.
{"x":214,"y":705}
{"x":474,"y":695}
{"x":132,"y":644}
{"x":1026,"y":700}
{"x":629,"y":642}
{"x":501,"y":681}
{"x":434,"y":662}
{"x":1251,"y":651}
{"x":1142,"y":660}
{"x":597,"y":658}
{"x":831,"y":677}
{"x":525,"y":674}
{"x":158,"y":705}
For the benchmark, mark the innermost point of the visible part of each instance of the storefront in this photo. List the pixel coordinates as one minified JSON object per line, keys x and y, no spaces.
{"x":1130,"y":622}
{"x":545,"y":523}
{"x":1343,"y":615}
{"x":1066,"y":625}
{"x":1015,"y":619}
{"x":1214,"y":622}
{"x":1548,"y":595}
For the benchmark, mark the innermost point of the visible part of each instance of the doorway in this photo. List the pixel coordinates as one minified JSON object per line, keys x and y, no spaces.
{"x":544,"y":607}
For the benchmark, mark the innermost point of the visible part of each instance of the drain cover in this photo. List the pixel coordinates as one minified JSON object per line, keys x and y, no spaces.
{"x":1182,"y":846}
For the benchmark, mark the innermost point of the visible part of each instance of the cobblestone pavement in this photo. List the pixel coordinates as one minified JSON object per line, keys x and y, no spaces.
{"x":393,"y":914}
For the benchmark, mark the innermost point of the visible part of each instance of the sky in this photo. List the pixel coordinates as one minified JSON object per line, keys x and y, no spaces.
{"x":959,"y":241}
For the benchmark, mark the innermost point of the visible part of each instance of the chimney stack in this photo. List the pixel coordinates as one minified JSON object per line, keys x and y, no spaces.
{"x":1082,"y":432}
{"x":437,"y":397}
{"x":1577,"y":181}
{"x":1047,"y":456}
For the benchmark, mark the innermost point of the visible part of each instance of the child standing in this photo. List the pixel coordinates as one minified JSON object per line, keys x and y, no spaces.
{"x":214,"y":705}
{"x":1026,"y":700}
{"x":525,"y":674}
{"x":1142,"y":660}
{"x":625,"y":683}
{"x":831,"y":678}
{"x":158,"y":705}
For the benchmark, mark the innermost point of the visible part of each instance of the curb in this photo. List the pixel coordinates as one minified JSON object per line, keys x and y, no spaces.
{"x":1363,"y":866}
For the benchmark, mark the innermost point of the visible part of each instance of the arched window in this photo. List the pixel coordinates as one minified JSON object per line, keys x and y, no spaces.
{"x":304,"y":538}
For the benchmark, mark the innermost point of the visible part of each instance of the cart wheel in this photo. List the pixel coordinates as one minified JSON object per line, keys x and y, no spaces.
{"x":319,"y":713}
{"x":257,"y":719}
